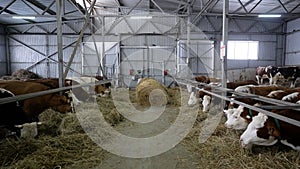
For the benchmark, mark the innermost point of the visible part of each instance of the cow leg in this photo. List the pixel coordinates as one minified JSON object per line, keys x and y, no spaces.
{"x":270,"y":80}
{"x":293,"y":83}
{"x":258,"y":80}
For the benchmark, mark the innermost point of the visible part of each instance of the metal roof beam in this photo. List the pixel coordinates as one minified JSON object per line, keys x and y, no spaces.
{"x":254,"y":6}
{"x":202,"y":10}
{"x":281,"y":4}
{"x":30,"y":7}
{"x":41,"y":6}
{"x":243,"y":6}
{"x":246,"y":4}
{"x":134,"y":7}
{"x":78,"y":7}
{"x":294,"y":8}
{"x":8,"y":5}
{"x":157,"y":6}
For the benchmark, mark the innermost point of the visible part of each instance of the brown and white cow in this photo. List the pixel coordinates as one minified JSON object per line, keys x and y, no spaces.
{"x":261,"y":74}
{"x":239,"y":118}
{"x":29,"y":109}
{"x":266,"y":131}
{"x":262,"y":90}
{"x":202,"y":79}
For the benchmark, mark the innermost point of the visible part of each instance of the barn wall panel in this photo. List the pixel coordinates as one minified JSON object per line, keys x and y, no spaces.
{"x":2,"y":52}
{"x":292,"y":53}
{"x":28,"y":50}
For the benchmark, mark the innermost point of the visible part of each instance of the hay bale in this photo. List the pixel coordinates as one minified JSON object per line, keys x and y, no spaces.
{"x":151,"y":92}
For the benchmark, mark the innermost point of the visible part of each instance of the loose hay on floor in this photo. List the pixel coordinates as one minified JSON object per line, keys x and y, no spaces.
{"x":223,"y":150}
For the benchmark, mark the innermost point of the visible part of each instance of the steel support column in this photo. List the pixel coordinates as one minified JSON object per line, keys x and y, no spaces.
{"x":59,"y":11}
{"x":224,"y":41}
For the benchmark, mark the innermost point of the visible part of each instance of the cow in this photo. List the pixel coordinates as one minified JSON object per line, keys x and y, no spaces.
{"x":234,"y":85}
{"x":262,"y":90}
{"x":28,"y":110}
{"x":261,"y":74}
{"x":206,"y":102}
{"x":88,"y":93}
{"x":202,"y":79}
{"x":266,"y":131}
{"x":193,"y":99}
{"x":189,"y":88}
{"x":288,"y":74}
{"x":239,"y":118}
{"x":28,"y":130}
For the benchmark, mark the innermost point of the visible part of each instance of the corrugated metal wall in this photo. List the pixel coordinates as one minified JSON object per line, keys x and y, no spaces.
{"x":2,"y":52}
{"x":270,"y":44}
{"x":32,"y":52}
{"x":292,"y":43}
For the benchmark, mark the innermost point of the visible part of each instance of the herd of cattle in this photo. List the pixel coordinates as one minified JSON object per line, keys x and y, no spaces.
{"x":24,"y":113}
{"x":259,"y":129}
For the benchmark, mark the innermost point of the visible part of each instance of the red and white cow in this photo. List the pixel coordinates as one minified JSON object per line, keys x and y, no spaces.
{"x":266,"y":131}
{"x":28,"y":110}
{"x":261,"y":74}
{"x":239,"y":118}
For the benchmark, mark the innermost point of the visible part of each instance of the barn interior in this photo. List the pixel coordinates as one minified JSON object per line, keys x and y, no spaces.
{"x":123,"y":41}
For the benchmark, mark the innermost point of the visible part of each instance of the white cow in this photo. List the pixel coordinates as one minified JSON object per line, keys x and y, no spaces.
{"x":193,"y":100}
{"x":28,"y":130}
{"x":189,"y":88}
{"x":206,"y":102}
{"x":250,"y":137}
{"x":234,"y":119}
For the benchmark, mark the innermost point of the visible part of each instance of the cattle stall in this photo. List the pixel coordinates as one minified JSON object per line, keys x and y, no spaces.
{"x":149,"y":84}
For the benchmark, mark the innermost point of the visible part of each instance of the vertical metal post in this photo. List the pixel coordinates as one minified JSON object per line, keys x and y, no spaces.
{"x":59,"y":9}
{"x":7,"y":51}
{"x":224,"y":44}
{"x":188,"y":32}
{"x":47,"y":60}
{"x":283,"y":45}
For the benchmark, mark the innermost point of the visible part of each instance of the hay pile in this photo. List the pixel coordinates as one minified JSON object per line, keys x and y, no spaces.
{"x":61,"y":142}
{"x":151,"y":92}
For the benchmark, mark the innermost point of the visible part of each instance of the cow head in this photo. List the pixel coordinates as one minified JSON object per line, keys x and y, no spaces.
{"x":189,"y":88}
{"x":206,"y":102}
{"x":28,"y":130}
{"x":259,"y":132}
{"x":61,"y":103}
{"x":234,"y":119}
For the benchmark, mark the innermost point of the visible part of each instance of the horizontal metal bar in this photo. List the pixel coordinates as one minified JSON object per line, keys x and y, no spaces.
{"x":268,"y":113}
{"x":278,"y":107}
{"x":41,"y":93}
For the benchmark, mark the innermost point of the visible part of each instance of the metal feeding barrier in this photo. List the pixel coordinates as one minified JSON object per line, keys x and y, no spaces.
{"x":279,"y":104}
{"x":41,"y":93}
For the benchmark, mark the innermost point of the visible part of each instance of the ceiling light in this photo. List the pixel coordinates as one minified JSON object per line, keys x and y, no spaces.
{"x":23,"y":17}
{"x":269,"y":16}
{"x":141,"y":17}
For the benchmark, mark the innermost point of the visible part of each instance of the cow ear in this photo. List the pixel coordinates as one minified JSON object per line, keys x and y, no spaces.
{"x":273,"y":132}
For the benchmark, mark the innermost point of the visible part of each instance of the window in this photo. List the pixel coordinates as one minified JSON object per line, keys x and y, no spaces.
{"x":242,"y":50}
